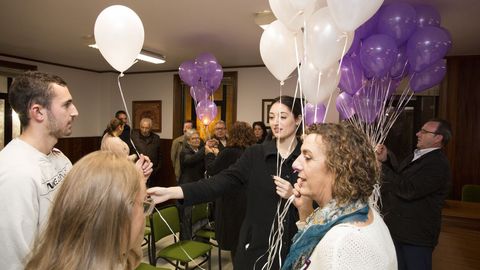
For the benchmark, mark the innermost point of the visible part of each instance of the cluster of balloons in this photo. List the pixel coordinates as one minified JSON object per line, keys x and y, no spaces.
{"x":203,"y":75}
{"x":399,"y":41}
{"x":119,"y":35}
{"x":312,"y":36}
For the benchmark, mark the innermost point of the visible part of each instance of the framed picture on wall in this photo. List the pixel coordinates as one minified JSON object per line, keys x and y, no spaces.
{"x":266,"y":104}
{"x":147,"y":109}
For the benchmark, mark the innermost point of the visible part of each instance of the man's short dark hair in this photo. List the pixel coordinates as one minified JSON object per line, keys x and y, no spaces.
{"x":32,"y":87}
{"x":443,"y":129}
{"x":117,"y":114}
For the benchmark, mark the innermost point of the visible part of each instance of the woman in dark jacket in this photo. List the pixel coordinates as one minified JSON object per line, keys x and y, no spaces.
{"x":230,"y":208}
{"x":254,"y":172}
{"x":260,"y":131}
{"x":193,"y":168}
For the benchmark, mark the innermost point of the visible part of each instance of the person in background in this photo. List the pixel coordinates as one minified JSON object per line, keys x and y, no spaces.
{"x":31,"y":169}
{"x":97,"y":219}
{"x":414,"y":193}
{"x":337,"y":169}
{"x":193,"y":169}
{"x":220,"y":135}
{"x":148,"y":143}
{"x":125,"y":135}
{"x":230,"y":208}
{"x":253,"y":172}
{"x":111,"y":140}
{"x":260,"y":131}
{"x":177,"y":146}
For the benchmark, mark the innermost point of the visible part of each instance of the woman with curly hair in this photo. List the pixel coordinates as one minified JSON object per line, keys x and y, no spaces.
{"x":230,"y":208}
{"x":337,"y":169}
{"x":260,"y":131}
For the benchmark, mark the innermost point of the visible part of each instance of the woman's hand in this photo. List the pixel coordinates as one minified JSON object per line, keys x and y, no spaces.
{"x":284,"y":188}
{"x":161,"y":194}
{"x":303,"y":203}
{"x":144,"y":165}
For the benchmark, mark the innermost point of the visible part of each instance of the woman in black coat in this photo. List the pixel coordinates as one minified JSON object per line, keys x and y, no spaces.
{"x":254,"y":172}
{"x":230,"y":208}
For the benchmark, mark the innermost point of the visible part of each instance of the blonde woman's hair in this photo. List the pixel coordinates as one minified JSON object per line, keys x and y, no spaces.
{"x":350,"y":157}
{"x":90,"y":221}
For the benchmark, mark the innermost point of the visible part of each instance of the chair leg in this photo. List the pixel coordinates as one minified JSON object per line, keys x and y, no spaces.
{"x":209,"y":259}
{"x":219,"y":258}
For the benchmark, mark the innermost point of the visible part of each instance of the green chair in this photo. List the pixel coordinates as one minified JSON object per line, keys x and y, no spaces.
{"x":146,"y":236}
{"x":145,"y":266}
{"x":200,"y":212}
{"x":180,"y":251}
{"x":471,"y":193}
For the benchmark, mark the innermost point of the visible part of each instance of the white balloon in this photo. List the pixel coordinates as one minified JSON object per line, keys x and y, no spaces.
{"x":350,"y":14}
{"x":293,"y":15}
{"x":277,"y":48}
{"x":119,"y":35}
{"x":318,"y":85}
{"x":325,"y":41}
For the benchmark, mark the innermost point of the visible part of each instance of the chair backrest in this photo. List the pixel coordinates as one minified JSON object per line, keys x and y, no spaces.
{"x":159,"y":228}
{"x":471,"y":193}
{"x":199,"y":212}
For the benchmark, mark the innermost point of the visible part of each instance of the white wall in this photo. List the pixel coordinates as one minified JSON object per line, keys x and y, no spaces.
{"x":97,"y":96}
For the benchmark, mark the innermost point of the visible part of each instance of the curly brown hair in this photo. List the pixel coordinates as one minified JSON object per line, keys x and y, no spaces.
{"x":350,"y":157}
{"x":241,"y":135}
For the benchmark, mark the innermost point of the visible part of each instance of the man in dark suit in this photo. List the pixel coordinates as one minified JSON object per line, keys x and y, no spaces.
{"x":413,"y":195}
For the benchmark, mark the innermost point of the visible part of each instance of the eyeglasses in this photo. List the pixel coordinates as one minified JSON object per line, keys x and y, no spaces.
{"x":423,"y":131}
{"x":148,"y":206}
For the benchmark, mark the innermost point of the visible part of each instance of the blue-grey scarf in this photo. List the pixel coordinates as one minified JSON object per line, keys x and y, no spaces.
{"x":318,"y":224}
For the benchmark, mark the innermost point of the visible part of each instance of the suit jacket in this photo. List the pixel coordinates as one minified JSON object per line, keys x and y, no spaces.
{"x":192,"y":164}
{"x":413,"y":196}
{"x":177,"y":146}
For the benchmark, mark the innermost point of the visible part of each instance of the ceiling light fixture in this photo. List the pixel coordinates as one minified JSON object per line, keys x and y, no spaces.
{"x":264,"y":18}
{"x":144,"y":55}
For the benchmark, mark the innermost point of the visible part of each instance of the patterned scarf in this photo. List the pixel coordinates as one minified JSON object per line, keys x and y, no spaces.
{"x":318,"y":224}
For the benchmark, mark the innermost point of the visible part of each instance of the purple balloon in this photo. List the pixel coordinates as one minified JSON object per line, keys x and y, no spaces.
{"x":188,"y":73}
{"x":392,"y":87}
{"x":368,"y":28}
{"x":350,"y":75}
{"x":344,"y":104}
{"x":426,"y":46}
{"x":354,"y":48}
{"x":400,"y":67}
{"x":314,"y":113}
{"x":368,"y":102}
{"x":427,"y":16}
{"x":378,"y":54}
{"x":206,"y":64}
{"x":199,"y":93}
{"x":206,"y":111}
{"x":429,"y":77}
{"x":213,"y":81}
{"x":397,"y":20}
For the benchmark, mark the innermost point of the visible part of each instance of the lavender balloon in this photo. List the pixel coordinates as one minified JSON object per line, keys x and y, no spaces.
{"x":206,"y":64}
{"x":368,"y":28}
{"x":199,"y":93}
{"x":426,"y":46}
{"x":400,"y":67}
{"x":214,"y":79}
{"x":206,"y":111}
{"x":344,"y":104}
{"x":188,"y":73}
{"x":427,"y":16}
{"x":429,"y":77}
{"x":314,"y":113}
{"x":397,"y":20}
{"x":378,"y":54}
{"x":368,"y":103}
{"x":350,"y":75}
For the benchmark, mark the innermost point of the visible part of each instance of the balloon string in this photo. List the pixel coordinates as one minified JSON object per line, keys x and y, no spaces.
{"x":326,"y":109}
{"x":126,"y":110}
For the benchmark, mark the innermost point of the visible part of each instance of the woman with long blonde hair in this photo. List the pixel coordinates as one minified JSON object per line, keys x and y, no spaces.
{"x":97,"y":219}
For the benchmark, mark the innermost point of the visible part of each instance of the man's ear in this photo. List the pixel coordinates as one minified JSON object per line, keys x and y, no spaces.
{"x":37,"y":112}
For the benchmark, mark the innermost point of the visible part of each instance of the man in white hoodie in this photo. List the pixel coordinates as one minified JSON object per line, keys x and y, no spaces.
{"x":31,"y":170}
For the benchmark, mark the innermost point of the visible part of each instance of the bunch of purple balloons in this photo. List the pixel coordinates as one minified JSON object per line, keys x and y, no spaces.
{"x":399,"y":41}
{"x":204,"y":76}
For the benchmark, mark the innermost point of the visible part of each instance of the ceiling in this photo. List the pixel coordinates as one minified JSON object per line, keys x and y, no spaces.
{"x":53,"y":30}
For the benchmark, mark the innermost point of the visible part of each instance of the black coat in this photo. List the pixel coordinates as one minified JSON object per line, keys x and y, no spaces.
{"x":149,"y":146}
{"x":253,"y":171}
{"x":230,"y":208}
{"x":192,"y":164}
{"x":413,"y":196}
